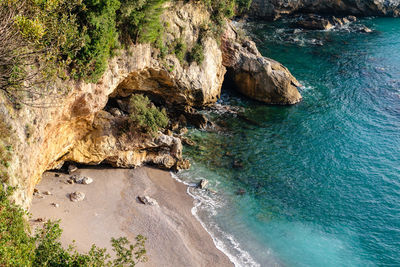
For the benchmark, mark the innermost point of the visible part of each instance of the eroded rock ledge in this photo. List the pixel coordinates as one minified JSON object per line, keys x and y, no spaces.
{"x":274,"y":9}
{"x":77,"y":128}
{"x":255,"y":76}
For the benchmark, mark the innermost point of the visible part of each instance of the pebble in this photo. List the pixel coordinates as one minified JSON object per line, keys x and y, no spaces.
{"x":148,"y":200}
{"x":81,"y":179}
{"x":77,"y":196}
{"x":35,"y":192}
{"x":55,"y":205}
{"x":87,"y":180}
{"x":72,"y":168}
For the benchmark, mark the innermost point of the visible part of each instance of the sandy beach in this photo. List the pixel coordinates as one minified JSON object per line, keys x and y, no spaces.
{"x":111,"y":209}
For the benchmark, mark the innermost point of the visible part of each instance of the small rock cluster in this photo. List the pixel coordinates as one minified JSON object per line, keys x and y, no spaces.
{"x":75,"y":178}
{"x":80,"y":179}
{"x":317,"y":22}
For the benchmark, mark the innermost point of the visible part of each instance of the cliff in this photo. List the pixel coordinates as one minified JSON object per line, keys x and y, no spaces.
{"x":88,"y":127}
{"x":274,"y":9}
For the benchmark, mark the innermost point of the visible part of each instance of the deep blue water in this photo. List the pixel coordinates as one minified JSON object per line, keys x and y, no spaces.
{"x":321,"y":178}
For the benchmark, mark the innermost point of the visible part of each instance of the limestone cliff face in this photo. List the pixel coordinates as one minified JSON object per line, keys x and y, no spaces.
{"x":273,"y":9}
{"x":181,"y":83}
{"x":77,"y":127}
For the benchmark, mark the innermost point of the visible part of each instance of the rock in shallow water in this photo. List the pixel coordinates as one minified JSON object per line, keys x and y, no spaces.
{"x":240,"y":192}
{"x":203,"y":184}
{"x":255,"y":76}
{"x":316,"y":22}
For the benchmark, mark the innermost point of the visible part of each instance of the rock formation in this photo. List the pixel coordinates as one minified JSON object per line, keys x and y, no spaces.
{"x":274,"y":9}
{"x":75,"y":127}
{"x":316,"y":22}
{"x":255,"y":76}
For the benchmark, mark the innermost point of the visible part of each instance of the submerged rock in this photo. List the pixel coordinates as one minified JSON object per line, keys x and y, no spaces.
{"x":240,"y":192}
{"x":188,"y":141}
{"x":364,"y":29}
{"x":317,"y":22}
{"x":237,"y":164}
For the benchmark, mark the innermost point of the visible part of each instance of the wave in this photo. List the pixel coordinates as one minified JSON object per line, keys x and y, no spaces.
{"x":225,"y":242}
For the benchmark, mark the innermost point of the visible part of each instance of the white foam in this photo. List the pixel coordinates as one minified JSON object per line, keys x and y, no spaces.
{"x":242,"y":257}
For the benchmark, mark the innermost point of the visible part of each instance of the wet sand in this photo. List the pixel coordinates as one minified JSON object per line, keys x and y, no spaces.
{"x":111,"y":209}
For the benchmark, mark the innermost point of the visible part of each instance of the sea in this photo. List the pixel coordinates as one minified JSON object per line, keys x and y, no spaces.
{"x":317,"y":183}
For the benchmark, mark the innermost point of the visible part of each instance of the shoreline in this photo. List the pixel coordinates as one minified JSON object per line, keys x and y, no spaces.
{"x":175,"y":236}
{"x":243,"y":258}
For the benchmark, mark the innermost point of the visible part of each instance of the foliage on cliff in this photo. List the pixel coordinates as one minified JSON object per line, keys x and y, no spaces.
{"x":139,"y":21}
{"x":44,"y":39}
{"x":19,"y":248}
{"x":146,"y":115}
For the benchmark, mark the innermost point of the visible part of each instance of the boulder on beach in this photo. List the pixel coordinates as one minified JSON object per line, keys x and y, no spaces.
{"x":81,"y":179}
{"x":77,"y":196}
{"x":148,"y":200}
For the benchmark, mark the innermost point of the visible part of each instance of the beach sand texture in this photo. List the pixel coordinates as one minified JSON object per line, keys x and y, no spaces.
{"x":111,"y":209}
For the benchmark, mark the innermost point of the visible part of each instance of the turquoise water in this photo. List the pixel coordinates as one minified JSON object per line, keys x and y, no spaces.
{"x":321,"y":178}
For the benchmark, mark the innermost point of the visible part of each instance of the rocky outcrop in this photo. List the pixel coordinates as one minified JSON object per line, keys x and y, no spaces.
{"x":181,"y":83}
{"x":316,"y":22}
{"x":114,"y":142}
{"x":255,"y":76}
{"x":274,"y":9}
{"x":75,"y":126}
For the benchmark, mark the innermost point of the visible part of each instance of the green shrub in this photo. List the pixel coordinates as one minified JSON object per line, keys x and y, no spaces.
{"x":38,"y":40}
{"x":243,"y":5}
{"x":180,"y":49}
{"x":5,"y":150}
{"x":139,"y":21}
{"x":197,"y":54}
{"x":16,"y":246}
{"x":97,"y":18}
{"x":19,"y":248}
{"x":146,"y":115}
